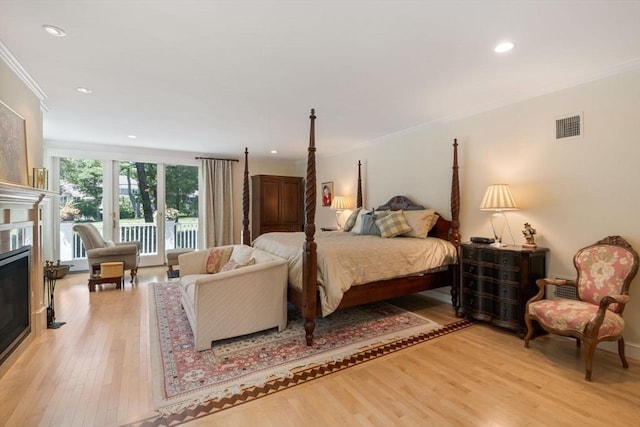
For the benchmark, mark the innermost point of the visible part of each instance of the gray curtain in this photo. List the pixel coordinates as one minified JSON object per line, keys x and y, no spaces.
{"x":218,"y":203}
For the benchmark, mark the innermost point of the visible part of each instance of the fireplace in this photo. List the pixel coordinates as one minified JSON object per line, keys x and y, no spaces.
{"x":15,"y":312}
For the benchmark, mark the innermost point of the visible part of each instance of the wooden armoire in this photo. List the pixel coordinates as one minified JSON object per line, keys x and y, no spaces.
{"x":277,"y":204}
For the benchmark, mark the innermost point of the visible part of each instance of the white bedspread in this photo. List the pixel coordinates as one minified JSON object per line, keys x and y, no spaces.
{"x":346,"y":259}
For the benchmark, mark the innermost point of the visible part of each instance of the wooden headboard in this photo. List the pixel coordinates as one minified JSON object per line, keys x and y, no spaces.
{"x":441,"y":230}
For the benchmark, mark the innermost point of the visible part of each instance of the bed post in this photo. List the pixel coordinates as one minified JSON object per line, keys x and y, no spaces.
{"x":359,"y":197}
{"x":454,"y":237}
{"x":309,"y":260}
{"x":246,"y":234}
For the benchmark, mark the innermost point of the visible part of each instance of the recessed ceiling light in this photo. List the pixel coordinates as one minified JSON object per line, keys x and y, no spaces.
{"x":54,"y":31}
{"x":274,"y":151}
{"x":131,"y":136}
{"x":504,"y":47}
{"x":84,"y":90}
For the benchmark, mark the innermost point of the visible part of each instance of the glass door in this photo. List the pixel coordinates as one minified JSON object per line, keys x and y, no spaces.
{"x":81,"y":200}
{"x":127,"y":208}
{"x":137,"y":200}
{"x":181,"y":207}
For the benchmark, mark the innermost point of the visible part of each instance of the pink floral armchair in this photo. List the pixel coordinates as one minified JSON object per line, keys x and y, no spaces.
{"x":605,"y":271}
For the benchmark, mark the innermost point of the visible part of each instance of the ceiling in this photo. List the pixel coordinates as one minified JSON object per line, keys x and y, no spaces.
{"x":216,"y":76}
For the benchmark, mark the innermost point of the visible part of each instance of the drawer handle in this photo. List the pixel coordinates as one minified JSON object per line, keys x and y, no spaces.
{"x":505,"y":261}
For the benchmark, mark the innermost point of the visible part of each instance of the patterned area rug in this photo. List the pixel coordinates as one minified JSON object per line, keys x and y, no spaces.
{"x":244,"y":368}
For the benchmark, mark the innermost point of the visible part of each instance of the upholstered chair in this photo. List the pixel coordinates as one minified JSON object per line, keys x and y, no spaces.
{"x":99,"y":251}
{"x":605,"y":271}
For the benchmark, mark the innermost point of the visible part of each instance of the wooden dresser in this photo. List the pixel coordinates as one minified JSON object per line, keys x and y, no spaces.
{"x":497,"y":282}
{"x":277,"y":204}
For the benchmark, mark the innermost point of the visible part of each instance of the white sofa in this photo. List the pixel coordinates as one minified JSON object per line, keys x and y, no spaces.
{"x":233,"y":303}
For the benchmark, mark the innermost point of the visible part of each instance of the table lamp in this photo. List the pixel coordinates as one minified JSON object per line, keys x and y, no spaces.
{"x":498,"y":198}
{"x":338,"y":204}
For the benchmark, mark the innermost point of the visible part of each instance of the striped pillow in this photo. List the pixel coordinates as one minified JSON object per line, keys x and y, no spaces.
{"x":393,"y":224}
{"x":351,"y":220}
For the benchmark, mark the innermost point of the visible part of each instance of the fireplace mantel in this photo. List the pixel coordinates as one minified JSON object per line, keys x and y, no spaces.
{"x":21,"y":208}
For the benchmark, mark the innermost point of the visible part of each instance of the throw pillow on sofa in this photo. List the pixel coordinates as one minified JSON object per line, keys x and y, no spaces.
{"x":232,"y":265}
{"x":217,"y":258}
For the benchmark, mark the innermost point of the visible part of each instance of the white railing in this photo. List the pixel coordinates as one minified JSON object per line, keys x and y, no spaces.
{"x":177,"y":235}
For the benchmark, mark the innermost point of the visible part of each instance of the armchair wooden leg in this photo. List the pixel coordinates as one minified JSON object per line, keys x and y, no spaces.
{"x":134,"y":272}
{"x":527,"y":321}
{"x":625,"y":364}
{"x":589,"y":351}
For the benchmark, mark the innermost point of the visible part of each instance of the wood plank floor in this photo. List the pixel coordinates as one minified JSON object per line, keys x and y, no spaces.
{"x":94,"y":371}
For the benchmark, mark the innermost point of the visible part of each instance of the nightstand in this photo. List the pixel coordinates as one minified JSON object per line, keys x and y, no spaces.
{"x":496,"y":283}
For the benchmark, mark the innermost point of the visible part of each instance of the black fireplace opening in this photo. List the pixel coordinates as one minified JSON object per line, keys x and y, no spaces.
{"x":15,"y":325}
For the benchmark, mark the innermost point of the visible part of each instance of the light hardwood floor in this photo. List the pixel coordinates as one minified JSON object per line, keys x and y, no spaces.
{"x":94,"y":371}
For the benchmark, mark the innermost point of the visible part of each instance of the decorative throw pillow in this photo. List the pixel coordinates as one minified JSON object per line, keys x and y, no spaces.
{"x":419,"y":221}
{"x":348,"y":225}
{"x":242,"y":254}
{"x":232,"y":265}
{"x":357,"y":226}
{"x":434,"y":219}
{"x":369,"y":223}
{"x":217,"y":258}
{"x":393,"y":224}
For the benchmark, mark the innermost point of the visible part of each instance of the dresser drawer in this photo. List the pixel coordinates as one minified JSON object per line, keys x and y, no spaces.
{"x":478,"y":303}
{"x":478,"y":269}
{"x":472,"y":283}
{"x":510,"y":259}
{"x":507,"y":292}
{"x":507,"y":312}
{"x":507,"y":275}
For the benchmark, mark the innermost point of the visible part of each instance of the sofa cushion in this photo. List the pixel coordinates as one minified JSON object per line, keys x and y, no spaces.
{"x":232,"y":265}
{"x":217,"y":258}
{"x":242,"y":254}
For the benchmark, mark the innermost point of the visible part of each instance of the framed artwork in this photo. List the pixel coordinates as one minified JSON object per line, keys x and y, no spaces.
{"x":40,"y":178}
{"x":13,"y":147}
{"x":327,"y":193}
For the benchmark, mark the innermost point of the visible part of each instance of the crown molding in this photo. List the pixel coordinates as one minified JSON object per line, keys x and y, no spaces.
{"x":23,"y":74}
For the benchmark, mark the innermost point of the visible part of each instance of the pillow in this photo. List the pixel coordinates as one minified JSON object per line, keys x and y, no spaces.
{"x":393,"y":224}
{"x":369,"y":223}
{"x":232,"y":265}
{"x":242,"y":254}
{"x":357,"y":226}
{"x":434,"y":219}
{"x":348,"y":225}
{"x":217,"y":258}
{"x":420,"y":222}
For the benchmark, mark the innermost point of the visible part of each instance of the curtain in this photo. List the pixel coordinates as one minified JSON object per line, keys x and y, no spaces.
{"x":218,"y":203}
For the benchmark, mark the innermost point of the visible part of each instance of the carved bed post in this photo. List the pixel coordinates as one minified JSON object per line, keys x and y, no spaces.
{"x":310,"y":261}
{"x":359,"y":197}
{"x":246,"y":234}
{"x":454,"y":237}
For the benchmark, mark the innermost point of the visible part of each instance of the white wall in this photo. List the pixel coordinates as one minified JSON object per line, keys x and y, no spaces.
{"x":573,"y":192}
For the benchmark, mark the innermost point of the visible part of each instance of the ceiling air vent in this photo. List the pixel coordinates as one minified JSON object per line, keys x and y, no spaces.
{"x":569,"y":126}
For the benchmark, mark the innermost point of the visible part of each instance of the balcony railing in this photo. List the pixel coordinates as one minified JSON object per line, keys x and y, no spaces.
{"x":177,"y":235}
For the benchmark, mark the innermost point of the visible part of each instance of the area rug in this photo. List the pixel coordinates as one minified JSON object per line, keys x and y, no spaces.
{"x":244,"y":368}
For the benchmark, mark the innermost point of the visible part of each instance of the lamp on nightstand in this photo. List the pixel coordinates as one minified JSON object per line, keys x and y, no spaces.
{"x":338,"y":204}
{"x":498,"y":198}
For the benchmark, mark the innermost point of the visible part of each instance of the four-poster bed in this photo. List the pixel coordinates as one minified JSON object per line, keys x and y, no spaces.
{"x":306,"y":295}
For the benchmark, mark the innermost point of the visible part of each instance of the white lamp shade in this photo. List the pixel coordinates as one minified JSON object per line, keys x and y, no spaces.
{"x":339,"y":203}
{"x":498,"y":197}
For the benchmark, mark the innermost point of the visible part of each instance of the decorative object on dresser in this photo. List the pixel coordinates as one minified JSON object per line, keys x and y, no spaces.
{"x":339,"y":204}
{"x":529,"y":234}
{"x":497,"y":282}
{"x":498,"y":198}
{"x":605,"y":271}
{"x":277,"y":204}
